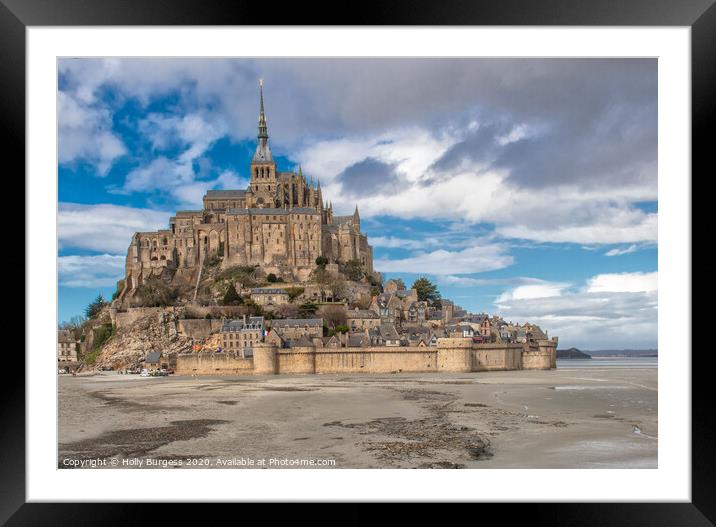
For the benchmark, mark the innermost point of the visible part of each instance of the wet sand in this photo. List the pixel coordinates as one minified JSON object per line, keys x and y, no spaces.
{"x":564,"y":418}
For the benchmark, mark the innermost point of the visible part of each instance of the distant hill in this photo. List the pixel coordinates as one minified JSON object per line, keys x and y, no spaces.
{"x":572,"y":353}
{"x":624,"y":353}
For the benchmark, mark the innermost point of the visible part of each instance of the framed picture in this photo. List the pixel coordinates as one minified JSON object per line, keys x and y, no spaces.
{"x":444,"y":247}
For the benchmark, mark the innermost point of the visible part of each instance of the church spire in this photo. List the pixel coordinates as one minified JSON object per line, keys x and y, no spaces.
{"x":263,"y":129}
{"x":263,"y":150}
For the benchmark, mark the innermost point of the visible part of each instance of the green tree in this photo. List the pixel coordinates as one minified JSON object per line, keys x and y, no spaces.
{"x":294,"y":292}
{"x":321,"y":261}
{"x":427,"y":291}
{"x":102,"y":334}
{"x":272,"y":278}
{"x":307,"y":310}
{"x":94,"y":307}
{"x":334,"y":316}
{"x":353,"y":270}
{"x":231,"y":297}
{"x":399,"y":282}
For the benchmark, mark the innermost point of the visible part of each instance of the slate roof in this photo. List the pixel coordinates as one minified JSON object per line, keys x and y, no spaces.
{"x":219,"y":194}
{"x":296,"y":322}
{"x":361,"y":313}
{"x":301,"y":342}
{"x":402,"y":293}
{"x":388,"y":332}
{"x":268,"y":291}
{"x":262,"y":153}
{"x":238,"y":325}
{"x":355,"y":340}
{"x":64,"y":335}
{"x":189,"y":212}
{"x":153,"y":357}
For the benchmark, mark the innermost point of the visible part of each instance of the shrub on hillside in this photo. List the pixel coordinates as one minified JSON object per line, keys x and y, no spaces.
{"x":294,"y":292}
{"x":154,"y":293}
{"x":353,"y":270}
{"x":102,"y":334}
{"x":307,"y":310}
{"x":231,"y":297}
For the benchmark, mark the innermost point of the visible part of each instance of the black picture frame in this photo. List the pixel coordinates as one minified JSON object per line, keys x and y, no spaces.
{"x":699,"y":15}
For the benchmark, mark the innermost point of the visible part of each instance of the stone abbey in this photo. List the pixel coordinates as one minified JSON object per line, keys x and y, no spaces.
{"x":280,"y":223}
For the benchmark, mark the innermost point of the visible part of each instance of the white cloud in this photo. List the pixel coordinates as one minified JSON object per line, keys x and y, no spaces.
{"x":105,"y":228}
{"x":523,"y":292}
{"x":393,"y":242}
{"x":177,"y":177}
{"x":622,"y":250}
{"x":101,"y":270}
{"x":611,"y":311}
{"x":476,"y":259}
{"x":412,"y":150}
{"x":85,"y":134}
{"x":160,"y":173}
{"x":477,"y":194}
{"x":623,"y":283}
{"x":467,"y":281}
{"x":310,"y":100}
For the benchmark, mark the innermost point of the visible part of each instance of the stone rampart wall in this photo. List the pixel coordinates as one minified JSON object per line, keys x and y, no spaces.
{"x":450,"y":355}
{"x":376,"y":360}
{"x":213,"y":364}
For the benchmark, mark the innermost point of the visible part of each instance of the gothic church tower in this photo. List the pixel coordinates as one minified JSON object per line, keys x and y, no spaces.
{"x":263,"y":184}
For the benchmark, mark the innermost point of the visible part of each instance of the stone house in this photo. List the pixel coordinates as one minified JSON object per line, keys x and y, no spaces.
{"x":416,"y":313}
{"x":388,"y":306}
{"x":155,"y":360}
{"x":360,"y":319}
{"x":384,"y":335}
{"x":295,"y":328}
{"x":239,"y":336}
{"x":332,"y":342}
{"x":66,"y":346}
{"x":461,"y":330}
{"x":269,"y":296}
{"x":358,"y":340}
{"x":392,"y":286}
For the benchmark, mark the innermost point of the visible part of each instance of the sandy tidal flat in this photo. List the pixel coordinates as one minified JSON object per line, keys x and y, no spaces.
{"x":566,"y":418}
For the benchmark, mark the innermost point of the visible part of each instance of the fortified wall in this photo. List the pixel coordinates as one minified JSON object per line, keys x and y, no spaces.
{"x":458,"y":355}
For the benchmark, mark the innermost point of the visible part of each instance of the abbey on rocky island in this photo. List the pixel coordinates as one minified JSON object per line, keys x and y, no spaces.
{"x":280,"y":223}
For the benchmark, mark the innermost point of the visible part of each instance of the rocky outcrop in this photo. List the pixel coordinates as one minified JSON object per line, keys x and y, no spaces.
{"x":130,"y":344}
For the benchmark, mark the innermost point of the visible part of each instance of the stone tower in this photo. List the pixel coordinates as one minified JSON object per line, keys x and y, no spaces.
{"x":263,"y":168}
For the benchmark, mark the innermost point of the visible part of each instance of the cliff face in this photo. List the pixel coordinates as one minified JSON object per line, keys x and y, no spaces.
{"x":572,"y":353}
{"x":130,"y":344}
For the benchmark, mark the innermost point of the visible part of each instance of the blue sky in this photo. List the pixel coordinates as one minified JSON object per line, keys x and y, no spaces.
{"x":522,"y":187}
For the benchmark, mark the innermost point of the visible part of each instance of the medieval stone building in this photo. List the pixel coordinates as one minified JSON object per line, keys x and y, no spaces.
{"x":280,"y":222}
